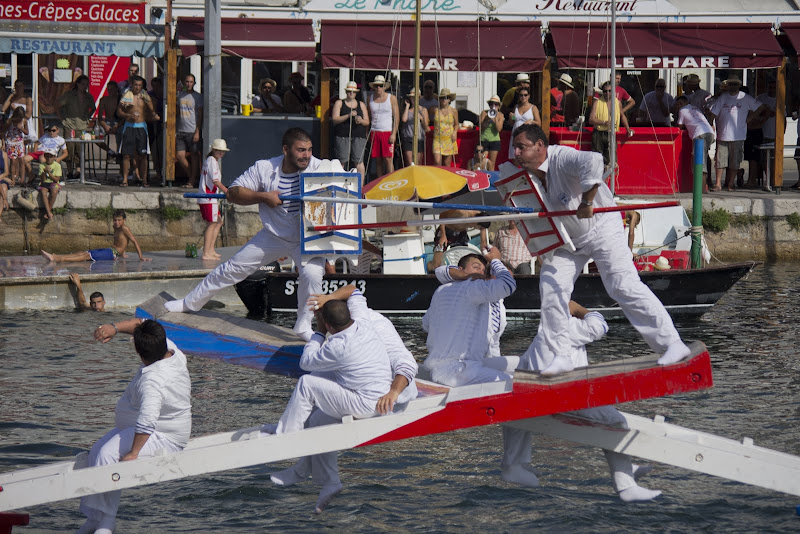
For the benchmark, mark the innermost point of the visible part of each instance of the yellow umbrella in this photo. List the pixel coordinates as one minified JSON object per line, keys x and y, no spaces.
{"x":423,"y":182}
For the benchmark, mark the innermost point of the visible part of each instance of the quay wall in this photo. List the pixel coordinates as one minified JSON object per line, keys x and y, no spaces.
{"x":160,"y":220}
{"x":765,"y":227}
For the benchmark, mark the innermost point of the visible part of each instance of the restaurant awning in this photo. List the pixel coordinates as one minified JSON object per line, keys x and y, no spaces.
{"x":642,"y":45}
{"x":454,"y":46}
{"x":81,"y":38}
{"x":792,"y":31}
{"x":259,"y":39}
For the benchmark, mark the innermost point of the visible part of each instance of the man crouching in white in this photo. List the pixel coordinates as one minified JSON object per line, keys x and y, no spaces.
{"x":323,"y":468}
{"x":350,"y":373}
{"x":154,"y":413}
{"x":585,"y":327}
{"x":464,"y":325}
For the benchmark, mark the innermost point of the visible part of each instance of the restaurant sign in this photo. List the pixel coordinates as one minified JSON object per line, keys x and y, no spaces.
{"x":674,"y":62}
{"x":73,"y":11}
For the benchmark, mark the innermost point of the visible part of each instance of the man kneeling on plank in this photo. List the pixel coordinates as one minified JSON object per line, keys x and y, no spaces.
{"x":584,"y":327}
{"x":464,"y":324}
{"x":323,"y":468}
{"x":154,"y":414}
{"x":350,"y":373}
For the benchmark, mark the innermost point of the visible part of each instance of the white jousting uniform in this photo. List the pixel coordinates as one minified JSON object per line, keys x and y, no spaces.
{"x":464,"y":325}
{"x":279,"y":238}
{"x":323,"y":467}
{"x":539,"y":356}
{"x":156,"y":402}
{"x":602,"y":238}
{"x":355,"y":373}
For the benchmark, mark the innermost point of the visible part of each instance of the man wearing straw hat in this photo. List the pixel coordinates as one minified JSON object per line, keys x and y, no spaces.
{"x":267,"y":101}
{"x":385,"y":114}
{"x":569,"y":108}
{"x":350,"y":121}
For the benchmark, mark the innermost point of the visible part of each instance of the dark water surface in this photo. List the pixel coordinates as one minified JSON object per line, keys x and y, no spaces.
{"x":58,"y":390}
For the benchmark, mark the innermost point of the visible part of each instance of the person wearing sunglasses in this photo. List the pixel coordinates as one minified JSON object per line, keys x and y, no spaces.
{"x":600,"y":119}
{"x":52,"y":140}
{"x":480,"y":160}
{"x":350,"y":121}
{"x":524,"y":113}
{"x":266,"y":101}
{"x":656,"y":105}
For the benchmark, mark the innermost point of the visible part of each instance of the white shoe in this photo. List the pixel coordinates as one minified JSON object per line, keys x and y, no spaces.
{"x":674,"y":353}
{"x":638,"y":494}
{"x":517,"y":474}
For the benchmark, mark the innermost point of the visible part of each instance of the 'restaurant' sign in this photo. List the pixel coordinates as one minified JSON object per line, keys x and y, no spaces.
{"x":73,"y":11}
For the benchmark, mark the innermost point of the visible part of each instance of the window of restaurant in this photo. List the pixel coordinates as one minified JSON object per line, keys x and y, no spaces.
{"x":231,"y":83}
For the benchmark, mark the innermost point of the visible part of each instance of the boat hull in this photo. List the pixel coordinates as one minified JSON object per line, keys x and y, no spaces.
{"x":683,"y":292}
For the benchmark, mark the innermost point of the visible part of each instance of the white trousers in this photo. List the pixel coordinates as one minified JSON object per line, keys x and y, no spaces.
{"x":464,"y":373}
{"x":102,"y":507}
{"x":323,"y":393}
{"x":263,"y":248}
{"x":517,"y":449}
{"x":607,"y":244}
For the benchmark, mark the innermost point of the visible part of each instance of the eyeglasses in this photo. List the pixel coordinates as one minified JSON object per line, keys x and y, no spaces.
{"x":444,"y":98}
{"x":53,"y":130}
{"x":351,"y":91}
{"x":524,"y":94}
{"x":266,"y":87}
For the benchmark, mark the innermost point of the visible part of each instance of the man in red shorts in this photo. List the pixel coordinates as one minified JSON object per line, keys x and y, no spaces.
{"x":385,"y":114}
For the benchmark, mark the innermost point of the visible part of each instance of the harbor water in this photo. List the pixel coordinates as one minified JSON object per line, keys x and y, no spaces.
{"x":58,"y":389}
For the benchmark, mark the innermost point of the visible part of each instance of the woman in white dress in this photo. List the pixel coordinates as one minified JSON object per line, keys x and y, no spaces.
{"x":18,"y":99}
{"x":525,"y":113}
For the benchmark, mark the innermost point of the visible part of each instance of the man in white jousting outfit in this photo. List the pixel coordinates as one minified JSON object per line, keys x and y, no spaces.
{"x":464,"y":324}
{"x":573,"y":180}
{"x":323,"y":468}
{"x":263,"y":184}
{"x":584,"y":327}
{"x":154,"y":413}
{"x":350,"y":373}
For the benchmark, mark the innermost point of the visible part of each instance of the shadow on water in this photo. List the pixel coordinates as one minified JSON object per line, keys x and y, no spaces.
{"x":58,"y":389}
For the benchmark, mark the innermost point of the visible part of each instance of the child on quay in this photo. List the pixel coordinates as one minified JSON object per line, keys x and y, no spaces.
{"x":16,"y":130}
{"x":122,"y":236}
{"x":50,"y":176}
{"x":6,"y":180}
{"x":211,"y":182}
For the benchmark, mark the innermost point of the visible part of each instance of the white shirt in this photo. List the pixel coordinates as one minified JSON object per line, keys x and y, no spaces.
{"x":209,"y":173}
{"x":698,"y":98}
{"x":356,"y":358}
{"x":381,"y":113}
{"x":400,"y":358}
{"x":768,"y":128}
{"x":694,"y":120}
{"x":651,"y":106}
{"x":581,"y":331}
{"x":158,"y":399}
{"x":266,"y":176}
{"x":459,"y":316}
{"x":570,"y":173}
{"x":731,"y":112}
{"x":47,"y":141}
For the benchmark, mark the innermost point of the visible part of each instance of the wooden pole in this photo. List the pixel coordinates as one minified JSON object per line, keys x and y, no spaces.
{"x":546,"y":96}
{"x":171,"y":87}
{"x":780,"y":125}
{"x":324,"y":118}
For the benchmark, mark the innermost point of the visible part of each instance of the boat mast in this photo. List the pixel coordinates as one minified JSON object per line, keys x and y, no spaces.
{"x":414,"y":145}
{"x":612,"y":144}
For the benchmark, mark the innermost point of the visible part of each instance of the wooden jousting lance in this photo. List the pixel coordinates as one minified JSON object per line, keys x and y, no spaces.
{"x":507,"y":212}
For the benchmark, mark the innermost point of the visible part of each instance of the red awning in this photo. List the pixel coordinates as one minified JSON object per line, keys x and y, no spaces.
{"x":455,"y":46}
{"x":792,"y":31}
{"x":260,"y":39}
{"x":642,"y":45}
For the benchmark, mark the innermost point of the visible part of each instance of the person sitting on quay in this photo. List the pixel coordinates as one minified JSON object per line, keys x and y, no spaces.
{"x":122,"y":236}
{"x":350,"y":374}
{"x":153,"y":416}
{"x":513,"y":250}
{"x":97,"y":301}
{"x":51,"y":139}
{"x":50,"y":181}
